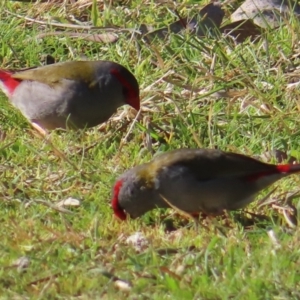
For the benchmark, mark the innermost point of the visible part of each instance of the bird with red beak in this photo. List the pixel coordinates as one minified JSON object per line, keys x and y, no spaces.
{"x":75,"y":94}
{"x":194,"y":181}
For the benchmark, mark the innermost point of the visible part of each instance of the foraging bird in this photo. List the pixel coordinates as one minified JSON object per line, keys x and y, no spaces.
{"x":194,"y":180}
{"x":74,"y":94}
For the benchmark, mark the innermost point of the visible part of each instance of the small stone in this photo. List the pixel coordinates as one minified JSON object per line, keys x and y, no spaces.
{"x":138,"y":241}
{"x":69,"y":202}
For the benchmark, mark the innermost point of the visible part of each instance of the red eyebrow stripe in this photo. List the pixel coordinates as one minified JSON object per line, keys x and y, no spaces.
{"x":132,"y":94}
{"x":115,"y":202}
{"x":9,"y":82}
{"x":124,"y":82}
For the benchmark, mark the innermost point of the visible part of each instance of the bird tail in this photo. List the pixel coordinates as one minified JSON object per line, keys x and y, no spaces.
{"x":7,"y":83}
{"x":289,"y":169}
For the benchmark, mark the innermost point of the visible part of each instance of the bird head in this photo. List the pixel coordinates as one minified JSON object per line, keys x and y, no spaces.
{"x":130,"y":86}
{"x":133,"y":194}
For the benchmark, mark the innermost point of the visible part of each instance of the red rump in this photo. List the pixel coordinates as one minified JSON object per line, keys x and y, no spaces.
{"x":277,"y":169}
{"x":284,"y":168}
{"x":9,"y":83}
{"x":119,"y":212}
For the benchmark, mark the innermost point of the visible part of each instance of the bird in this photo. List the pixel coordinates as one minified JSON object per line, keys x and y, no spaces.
{"x":205,"y":181}
{"x":72,"y":94}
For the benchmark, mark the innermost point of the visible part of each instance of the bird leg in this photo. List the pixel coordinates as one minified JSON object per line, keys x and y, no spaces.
{"x":43,"y":133}
{"x":183,"y":213}
{"x":40,"y":130}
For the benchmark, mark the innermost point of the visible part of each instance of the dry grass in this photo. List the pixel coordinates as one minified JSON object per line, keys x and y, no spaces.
{"x":196,"y":92}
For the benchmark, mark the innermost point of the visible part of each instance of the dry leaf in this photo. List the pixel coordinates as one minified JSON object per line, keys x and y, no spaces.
{"x":266,"y":13}
{"x":241,"y":30}
{"x":209,"y":18}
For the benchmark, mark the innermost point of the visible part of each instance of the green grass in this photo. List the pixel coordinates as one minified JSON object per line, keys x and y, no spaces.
{"x":81,"y":254}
